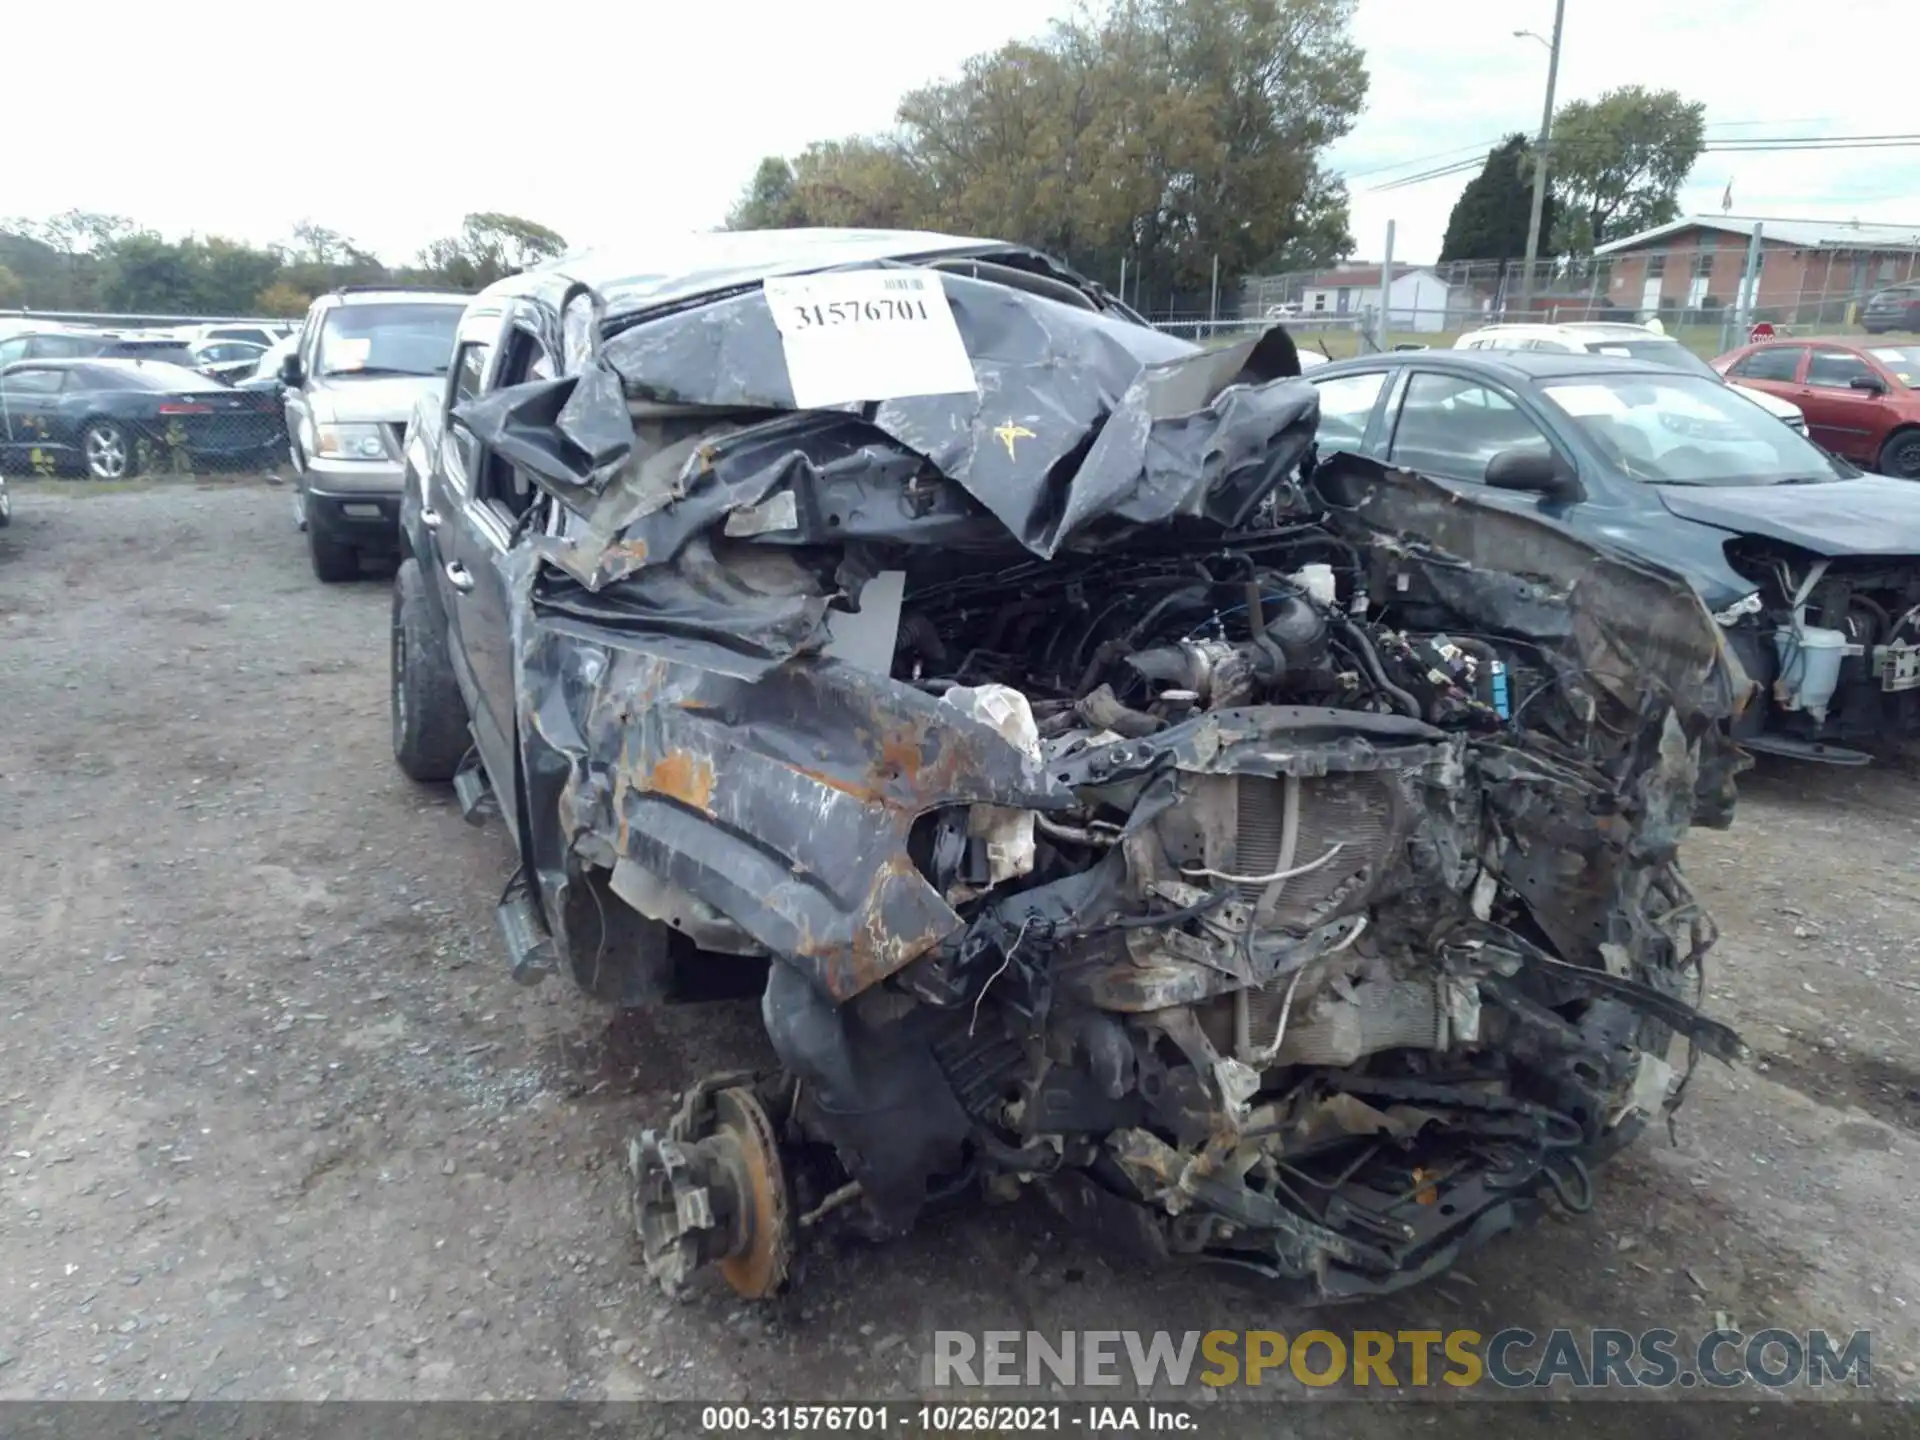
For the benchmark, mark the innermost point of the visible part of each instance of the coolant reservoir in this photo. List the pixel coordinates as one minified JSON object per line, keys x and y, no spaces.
{"x":1317,"y":580}
{"x":1008,"y":833}
{"x":1810,"y":659}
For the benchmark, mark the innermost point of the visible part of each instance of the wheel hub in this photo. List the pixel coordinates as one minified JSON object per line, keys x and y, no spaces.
{"x":712,"y":1190}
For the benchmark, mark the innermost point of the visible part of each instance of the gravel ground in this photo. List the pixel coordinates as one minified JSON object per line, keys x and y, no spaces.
{"x":276,"y":1125}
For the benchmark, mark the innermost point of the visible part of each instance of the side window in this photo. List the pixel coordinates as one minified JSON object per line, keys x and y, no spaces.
{"x":1553,"y":345}
{"x":31,"y":382}
{"x":1451,"y":427}
{"x":1776,"y":362}
{"x":469,"y":374}
{"x":63,"y":347}
{"x":1836,"y":369}
{"x":503,"y":487}
{"x":12,"y":350}
{"x":470,"y":370}
{"x":310,"y":339}
{"x":469,"y":377}
{"x":1346,"y":404}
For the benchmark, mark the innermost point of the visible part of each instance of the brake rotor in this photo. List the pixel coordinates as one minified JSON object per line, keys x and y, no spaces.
{"x":759,"y":1268}
{"x":713,"y":1190}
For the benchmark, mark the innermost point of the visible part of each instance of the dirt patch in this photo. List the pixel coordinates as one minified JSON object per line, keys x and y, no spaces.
{"x":1885,"y":1090}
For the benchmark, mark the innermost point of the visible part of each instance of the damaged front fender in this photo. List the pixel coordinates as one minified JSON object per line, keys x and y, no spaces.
{"x":785,"y":802}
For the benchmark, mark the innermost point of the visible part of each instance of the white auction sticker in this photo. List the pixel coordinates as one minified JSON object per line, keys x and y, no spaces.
{"x":853,"y":335}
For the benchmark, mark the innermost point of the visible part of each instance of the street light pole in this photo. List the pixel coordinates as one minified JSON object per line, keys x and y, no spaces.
{"x":1540,"y":156}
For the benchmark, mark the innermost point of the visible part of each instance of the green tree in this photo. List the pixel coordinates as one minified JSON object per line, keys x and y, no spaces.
{"x":83,"y":232}
{"x":768,"y":201}
{"x":282,"y":298}
{"x":192,"y":276}
{"x":78,"y":238}
{"x":316,"y":244}
{"x":231,"y":275}
{"x":858,"y":183}
{"x":13,"y":289}
{"x":45,"y":275}
{"x":490,"y":244}
{"x":1489,"y":220}
{"x":1620,"y":161}
{"x":1168,"y":132}
{"x":143,"y":272}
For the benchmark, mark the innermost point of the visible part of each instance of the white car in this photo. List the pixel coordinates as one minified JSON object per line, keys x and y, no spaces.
{"x":265,"y":335}
{"x":1636,"y":342}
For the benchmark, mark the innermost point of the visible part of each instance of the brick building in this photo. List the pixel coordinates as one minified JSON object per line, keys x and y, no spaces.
{"x":1811,"y":271}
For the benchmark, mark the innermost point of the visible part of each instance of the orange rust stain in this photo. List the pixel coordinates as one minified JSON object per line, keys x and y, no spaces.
{"x":870,"y":952}
{"x":866,"y":793}
{"x":685,"y":778}
{"x":632,"y":549}
{"x":900,"y":756}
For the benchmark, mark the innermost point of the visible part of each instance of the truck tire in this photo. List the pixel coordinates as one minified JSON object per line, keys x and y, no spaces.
{"x":429,"y":715}
{"x":332,"y":561}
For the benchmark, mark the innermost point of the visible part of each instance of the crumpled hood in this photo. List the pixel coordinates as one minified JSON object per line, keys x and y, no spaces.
{"x":377,"y":399}
{"x":1871,"y":515}
{"x":1079,"y":422}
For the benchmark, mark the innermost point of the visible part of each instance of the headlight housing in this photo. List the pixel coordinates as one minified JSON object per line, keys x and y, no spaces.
{"x":349,"y":442}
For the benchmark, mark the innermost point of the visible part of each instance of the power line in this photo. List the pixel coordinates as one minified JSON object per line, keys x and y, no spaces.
{"x":1810,"y":142}
{"x":1480,"y":148}
{"x":1757,"y":145}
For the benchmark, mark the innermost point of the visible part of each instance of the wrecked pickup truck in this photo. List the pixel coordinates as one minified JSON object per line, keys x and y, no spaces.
{"x":894,"y":627}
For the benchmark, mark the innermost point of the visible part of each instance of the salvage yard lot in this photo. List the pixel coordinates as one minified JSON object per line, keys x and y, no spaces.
{"x":277,"y":1124}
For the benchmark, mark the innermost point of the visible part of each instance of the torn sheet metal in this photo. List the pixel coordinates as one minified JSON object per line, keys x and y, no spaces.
{"x":782,"y":797}
{"x":1081,"y":421}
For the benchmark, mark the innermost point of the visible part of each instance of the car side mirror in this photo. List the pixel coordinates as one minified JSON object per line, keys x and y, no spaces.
{"x":1872,"y":384}
{"x":1536,"y":471}
{"x":290,"y":371}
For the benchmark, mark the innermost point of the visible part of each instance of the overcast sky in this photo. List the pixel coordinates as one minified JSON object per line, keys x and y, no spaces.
{"x":606,"y":120}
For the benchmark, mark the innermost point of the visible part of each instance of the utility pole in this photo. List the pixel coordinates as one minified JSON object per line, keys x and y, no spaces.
{"x":1540,"y":154}
{"x":1386,"y":289}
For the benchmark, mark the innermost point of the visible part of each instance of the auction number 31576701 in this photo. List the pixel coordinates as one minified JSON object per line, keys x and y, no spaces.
{"x":856,"y":312}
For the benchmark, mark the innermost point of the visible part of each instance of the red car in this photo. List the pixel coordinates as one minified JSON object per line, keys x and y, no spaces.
{"x":1861,"y":398}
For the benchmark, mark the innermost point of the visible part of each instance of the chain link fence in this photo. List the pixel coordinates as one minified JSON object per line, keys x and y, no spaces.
{"x":1702,"y":293}
{"x":117,"y":397}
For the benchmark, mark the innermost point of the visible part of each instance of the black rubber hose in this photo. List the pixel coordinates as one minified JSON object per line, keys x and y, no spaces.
{"x":1265,"y":643}
{"x":1370,"y":661}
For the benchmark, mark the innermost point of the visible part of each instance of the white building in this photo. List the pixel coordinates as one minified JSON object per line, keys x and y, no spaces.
{"x":1417,"y":299}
